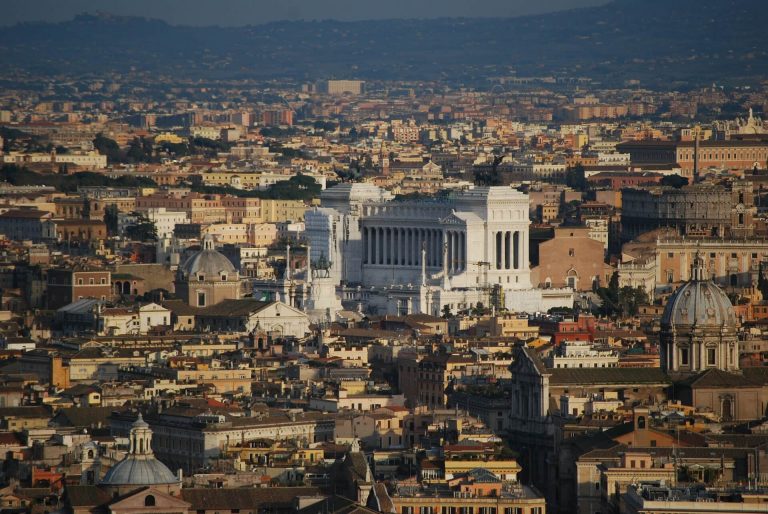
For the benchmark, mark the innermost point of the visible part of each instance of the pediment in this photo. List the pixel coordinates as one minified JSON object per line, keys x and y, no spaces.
{"x":452,"y":219}
{"x":163,"y":502}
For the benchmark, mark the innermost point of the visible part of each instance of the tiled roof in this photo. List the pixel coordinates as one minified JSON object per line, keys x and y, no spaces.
{"x":86,"y":496}
{"x":596,"y":376}
{"x":85,"y":416}
{"x":34,"y":411}
{"x":25,"y":213}
{"x":245,"y":499}
{"x":748,"y":377}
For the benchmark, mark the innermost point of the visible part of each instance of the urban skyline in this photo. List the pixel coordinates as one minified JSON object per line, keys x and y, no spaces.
{"x":502,"y":265}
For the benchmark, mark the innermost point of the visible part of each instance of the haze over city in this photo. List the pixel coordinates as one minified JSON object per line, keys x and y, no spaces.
{"x":354,"y":257}
{"x":254,"y":12}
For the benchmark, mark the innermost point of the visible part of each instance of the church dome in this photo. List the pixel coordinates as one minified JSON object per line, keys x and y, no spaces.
{"x":207,"y":262}
{"x":698,"y":303}
{"x":139,"y":472}
{"x":140,"y":467}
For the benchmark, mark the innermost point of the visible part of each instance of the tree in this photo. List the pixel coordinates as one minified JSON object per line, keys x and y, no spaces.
{"x":298,"y":187}
{"x":447,"y":314}
{"x":143,"y":230}
{"x":108,"y":147}
{"x":139,"y":150}
{"x":175,"y":149}
{"x":621,"y":301}
{"x":576,"y":178}
{"x":630,"y":300}
{"x":675,"y":181}
{"x":610,"y":296}
{"x":110,"y":219}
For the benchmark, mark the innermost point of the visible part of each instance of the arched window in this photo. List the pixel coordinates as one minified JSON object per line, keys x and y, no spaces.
{"x":641,"y":422}
{"x":90,"y":454}
{"x":149,"y":501}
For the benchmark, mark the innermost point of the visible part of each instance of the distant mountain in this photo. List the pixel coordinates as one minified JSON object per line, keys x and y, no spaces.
{"x":659,"y":42}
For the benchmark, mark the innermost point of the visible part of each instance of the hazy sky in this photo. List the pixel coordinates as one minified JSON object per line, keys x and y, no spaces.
{"x":243,"y":12}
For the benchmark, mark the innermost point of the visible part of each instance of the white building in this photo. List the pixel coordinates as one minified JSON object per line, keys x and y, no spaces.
{"x":153,"y":315}
{"x":571,"y":405}
{"x":402,"y":257}
{"x":598,"y":229}
{"x":165,"y":221}
{"x":582,"y":354}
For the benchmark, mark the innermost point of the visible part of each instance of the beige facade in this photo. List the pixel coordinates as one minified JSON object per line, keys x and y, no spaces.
{"x":274,"y":211}
{"x":639,"y":273}
{"x":571,"y":259}
{"x":429,"y":504}
{"x":242,"y":210}
{"x":729,"y":262}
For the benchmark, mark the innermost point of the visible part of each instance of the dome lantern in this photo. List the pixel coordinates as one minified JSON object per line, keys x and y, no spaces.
{"x":140,"y":467}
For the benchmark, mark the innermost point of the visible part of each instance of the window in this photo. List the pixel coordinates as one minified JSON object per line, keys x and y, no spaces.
{"x":79,"y":281}
{"x":571,"y":252}
{"x":201,"y":299}
{"x":149,"y":501}
{"x":710,"y":356}
{"x":90,"y":281}
{"x":684,"y":356}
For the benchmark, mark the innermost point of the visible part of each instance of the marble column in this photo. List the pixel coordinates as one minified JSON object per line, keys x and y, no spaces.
{"x":516,"y":249}
{"x":507,"y":249}
{"x":497,"y":237}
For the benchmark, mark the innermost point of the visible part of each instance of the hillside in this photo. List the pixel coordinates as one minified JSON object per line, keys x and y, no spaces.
{"x":660,"y":42}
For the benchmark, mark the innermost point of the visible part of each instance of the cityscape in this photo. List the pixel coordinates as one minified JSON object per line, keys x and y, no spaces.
{"x":401,"y":260}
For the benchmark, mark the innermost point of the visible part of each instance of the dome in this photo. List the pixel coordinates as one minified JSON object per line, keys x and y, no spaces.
{"x":134,"y":471}
{"x":699,"y":303}
{"x":139,"y":467}
{"x":207,"y":262}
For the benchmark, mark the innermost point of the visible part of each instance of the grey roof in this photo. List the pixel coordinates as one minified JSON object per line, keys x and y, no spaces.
{"x":482,"y":475}
{"x":139,"y":470}
{"x":698,"y":303}
{"x":207,"y":262}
